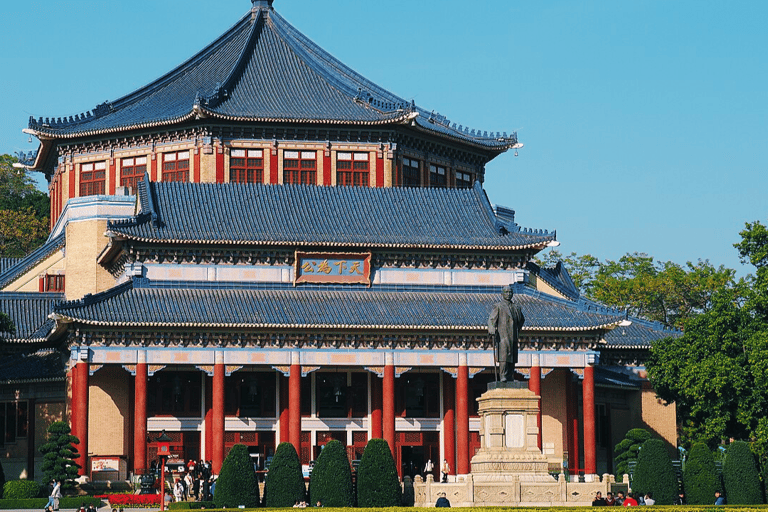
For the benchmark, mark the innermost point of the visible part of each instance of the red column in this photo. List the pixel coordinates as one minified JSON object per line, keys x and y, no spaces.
{"x":219,"y":165}
{"x":534,"y":384}
{"x":273,"y":168}
{"x":376,"y":428}
{"x":294,"y":407}
{"x":284,"y":410}
{"x":462,"y":418}
{"x":80,"y":412}
{"x":153,"y":167}
{"x":590,"y":448}
{"x":574,"y":429}
{"x":112,"y":176}
{"x":217,"y":423}
{"x":380,"y":172}
{"x":72,"y":180}
{"x":197,"y":166}
{"x":327,"y":169}
{"x":140,"y":416}
{"x":449,"y":426}
{"x":388,"y":403}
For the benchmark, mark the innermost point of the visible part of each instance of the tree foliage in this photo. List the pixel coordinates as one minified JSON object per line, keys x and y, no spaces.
{"x":6,"y":324}
{"x":581,"y":268}
{"x":654,"y":472}
{"x":700,"y":478}
{"x":628,"y":448}
{"x":284,"y":485}
{"x":24,"y":211}
{"x":740,"y":476}
{"x":237,"y":483}
{"x":59,"y":455}
{"x":377,"y":482}
{"x":331,"y":480}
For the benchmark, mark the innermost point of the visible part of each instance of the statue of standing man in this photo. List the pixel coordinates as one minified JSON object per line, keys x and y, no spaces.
{"x":504,"y":325}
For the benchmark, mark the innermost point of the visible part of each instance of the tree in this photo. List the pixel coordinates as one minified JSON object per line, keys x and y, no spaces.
{"x":377,"y":482}
{"x":59,"y":455}
{"x":582,"y":269}
{"x":628,"y":448}
{"x":24,"y":211}
{"x":700,"y":478}
{"x":237,"y":483}
{"x":6,"y":324}
{"x":331,"y":480}
{"x":284,"y":485}
{"x":740,"y":476}
{"x":654,"y":472}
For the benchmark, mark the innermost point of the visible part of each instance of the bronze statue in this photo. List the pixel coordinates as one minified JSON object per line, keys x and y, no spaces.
{"x":504,"y":326}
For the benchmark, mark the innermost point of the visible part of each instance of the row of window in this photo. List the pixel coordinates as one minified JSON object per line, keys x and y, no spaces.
{"x":247,"y":166}
{"x":14,"y":421}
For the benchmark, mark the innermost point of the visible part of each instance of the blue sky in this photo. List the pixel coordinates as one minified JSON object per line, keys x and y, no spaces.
{"x":645,"y":123}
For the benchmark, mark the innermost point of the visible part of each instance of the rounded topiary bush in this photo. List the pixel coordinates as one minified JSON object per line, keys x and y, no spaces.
{"x":331,"y":480}
{"x":21,"y":490}
{"x":284,"y":485}
{"x":237,"y":483}
{"x":700,"y":478}
{"x":377,"y":481}
{"x":740,"y":476}
{"x":654,"y":472}
{"x":626,"y":450}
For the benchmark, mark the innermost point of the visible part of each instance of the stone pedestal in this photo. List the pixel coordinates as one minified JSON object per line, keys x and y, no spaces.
{"x":509,"y":433}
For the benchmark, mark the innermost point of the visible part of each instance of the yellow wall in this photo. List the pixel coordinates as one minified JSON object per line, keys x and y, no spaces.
{"x":85,"y":240}
{"x":554,"y":414}
{"x":109,"y":412}
{"x":30,"y":281}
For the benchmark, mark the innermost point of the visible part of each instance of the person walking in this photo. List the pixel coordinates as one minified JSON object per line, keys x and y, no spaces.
{"x":53,"y":499}
{"x":445,"y":470}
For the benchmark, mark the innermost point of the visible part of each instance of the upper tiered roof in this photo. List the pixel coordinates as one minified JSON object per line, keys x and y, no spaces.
{"x":261,"y":70}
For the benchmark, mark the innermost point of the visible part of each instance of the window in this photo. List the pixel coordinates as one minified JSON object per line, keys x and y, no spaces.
{"x":14,"y":421}
{"x":352,"y":169}
{"x":418,"y":395}
{"x":341,"y":395}
{"x":437,"y":176}
{"x":52,"y":283}
{"x":246,"y":166}
{"x":411,"y":173}
{"x":93,"y":178}
{"x":250,"y":394}
{"x":464,"y":180}
{"x":176,"y":166}
{"x":174,"y":394}
{"x":300,"y":167}
{"x":132,"y":171}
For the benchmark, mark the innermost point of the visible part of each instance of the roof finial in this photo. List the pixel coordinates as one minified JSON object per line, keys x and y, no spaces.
{"x":262,"y":4}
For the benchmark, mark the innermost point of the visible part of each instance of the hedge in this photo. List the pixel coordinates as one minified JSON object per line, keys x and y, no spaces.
{"x":72,"y":502}
{"x":237,"y":483}
{"x":191,"y":505}
{"x":740,"y":476}
{"x":21,"y":489}
{"x":331,"y":480}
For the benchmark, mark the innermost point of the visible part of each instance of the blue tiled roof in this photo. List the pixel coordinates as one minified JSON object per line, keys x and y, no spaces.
{"x":29,"y":312}
{"x":331,"y":216}
{"x":557,"y":277}
{"x":41,"y":366}
{"x":6,"y":263}
{"x":640,"y":334}
{"x":262,"y":69}
{"x":139,"y":303}
{"x":23,"y":265}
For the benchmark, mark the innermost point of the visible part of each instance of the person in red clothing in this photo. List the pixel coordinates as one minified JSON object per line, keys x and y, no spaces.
{"x":630,"y":500}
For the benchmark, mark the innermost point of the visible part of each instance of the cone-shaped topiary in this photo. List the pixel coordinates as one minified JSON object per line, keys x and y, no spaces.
{"x":237,"y":483}
{"x":700,"y":477}
{"x":377,"y":481}
{"x":742,"y":483}
{"x":59,"y":455}
{"x":627,"y":449}
{"x":284,"y":485}
{"x":654,"y":472}
{"x":331,"y":480}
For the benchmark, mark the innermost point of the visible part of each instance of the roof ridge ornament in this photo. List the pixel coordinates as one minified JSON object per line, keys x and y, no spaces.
{"x":262,"y":4}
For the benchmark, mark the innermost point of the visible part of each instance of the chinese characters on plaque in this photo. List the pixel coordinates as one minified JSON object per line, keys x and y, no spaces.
{"x":333,"y":267}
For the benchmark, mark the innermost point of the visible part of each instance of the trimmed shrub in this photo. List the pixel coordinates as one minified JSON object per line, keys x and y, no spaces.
{"x":237,"y":483}
{"x":626,"y":450}
{"x":39,"y":503}
{"x":654,"y":472}
{"x":700,"y":478}
{"x":740,"y":476}
{"x":191,"y":505}
{"x":21,"y":489}
{"x":284,"y":485}
{"x":377,"y":481}
{"x":59,"y":455}
{"x":331,"y":480}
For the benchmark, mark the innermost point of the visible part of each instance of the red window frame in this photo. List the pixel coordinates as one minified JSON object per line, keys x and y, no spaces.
{"x":132,"y":171}
{"x":246,"y":166}
{"x":93,"y":178}
{"x":438,"y":176}
{"x":300,"y":167}
{"x":53,"y":283}
{"x":176,"y":166}
{"x":353,"y":169}
{"x":411,"y":176}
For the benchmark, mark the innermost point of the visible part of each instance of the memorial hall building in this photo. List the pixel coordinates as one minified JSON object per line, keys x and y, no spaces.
{"x":264,"y":246}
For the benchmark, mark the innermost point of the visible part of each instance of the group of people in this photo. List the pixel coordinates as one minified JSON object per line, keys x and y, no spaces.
{"x":198,"y":483}
{"x":53,"y":498}
{"x":445,"y":469}
{"x":303,"y":504}
{"x":633,"y":499}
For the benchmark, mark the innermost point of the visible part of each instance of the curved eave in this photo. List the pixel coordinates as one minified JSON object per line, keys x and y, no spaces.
{"x":53,"y":135}
{"x":394,"y":119}
{"x":33,"y":381}
{"x":379,"y":327}
{"x":486,"y":144}
{"x":627,"y":347}
{"x":537,"y":245}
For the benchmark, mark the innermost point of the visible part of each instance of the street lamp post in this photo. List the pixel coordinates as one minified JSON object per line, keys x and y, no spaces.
{"x":163,"y":451}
